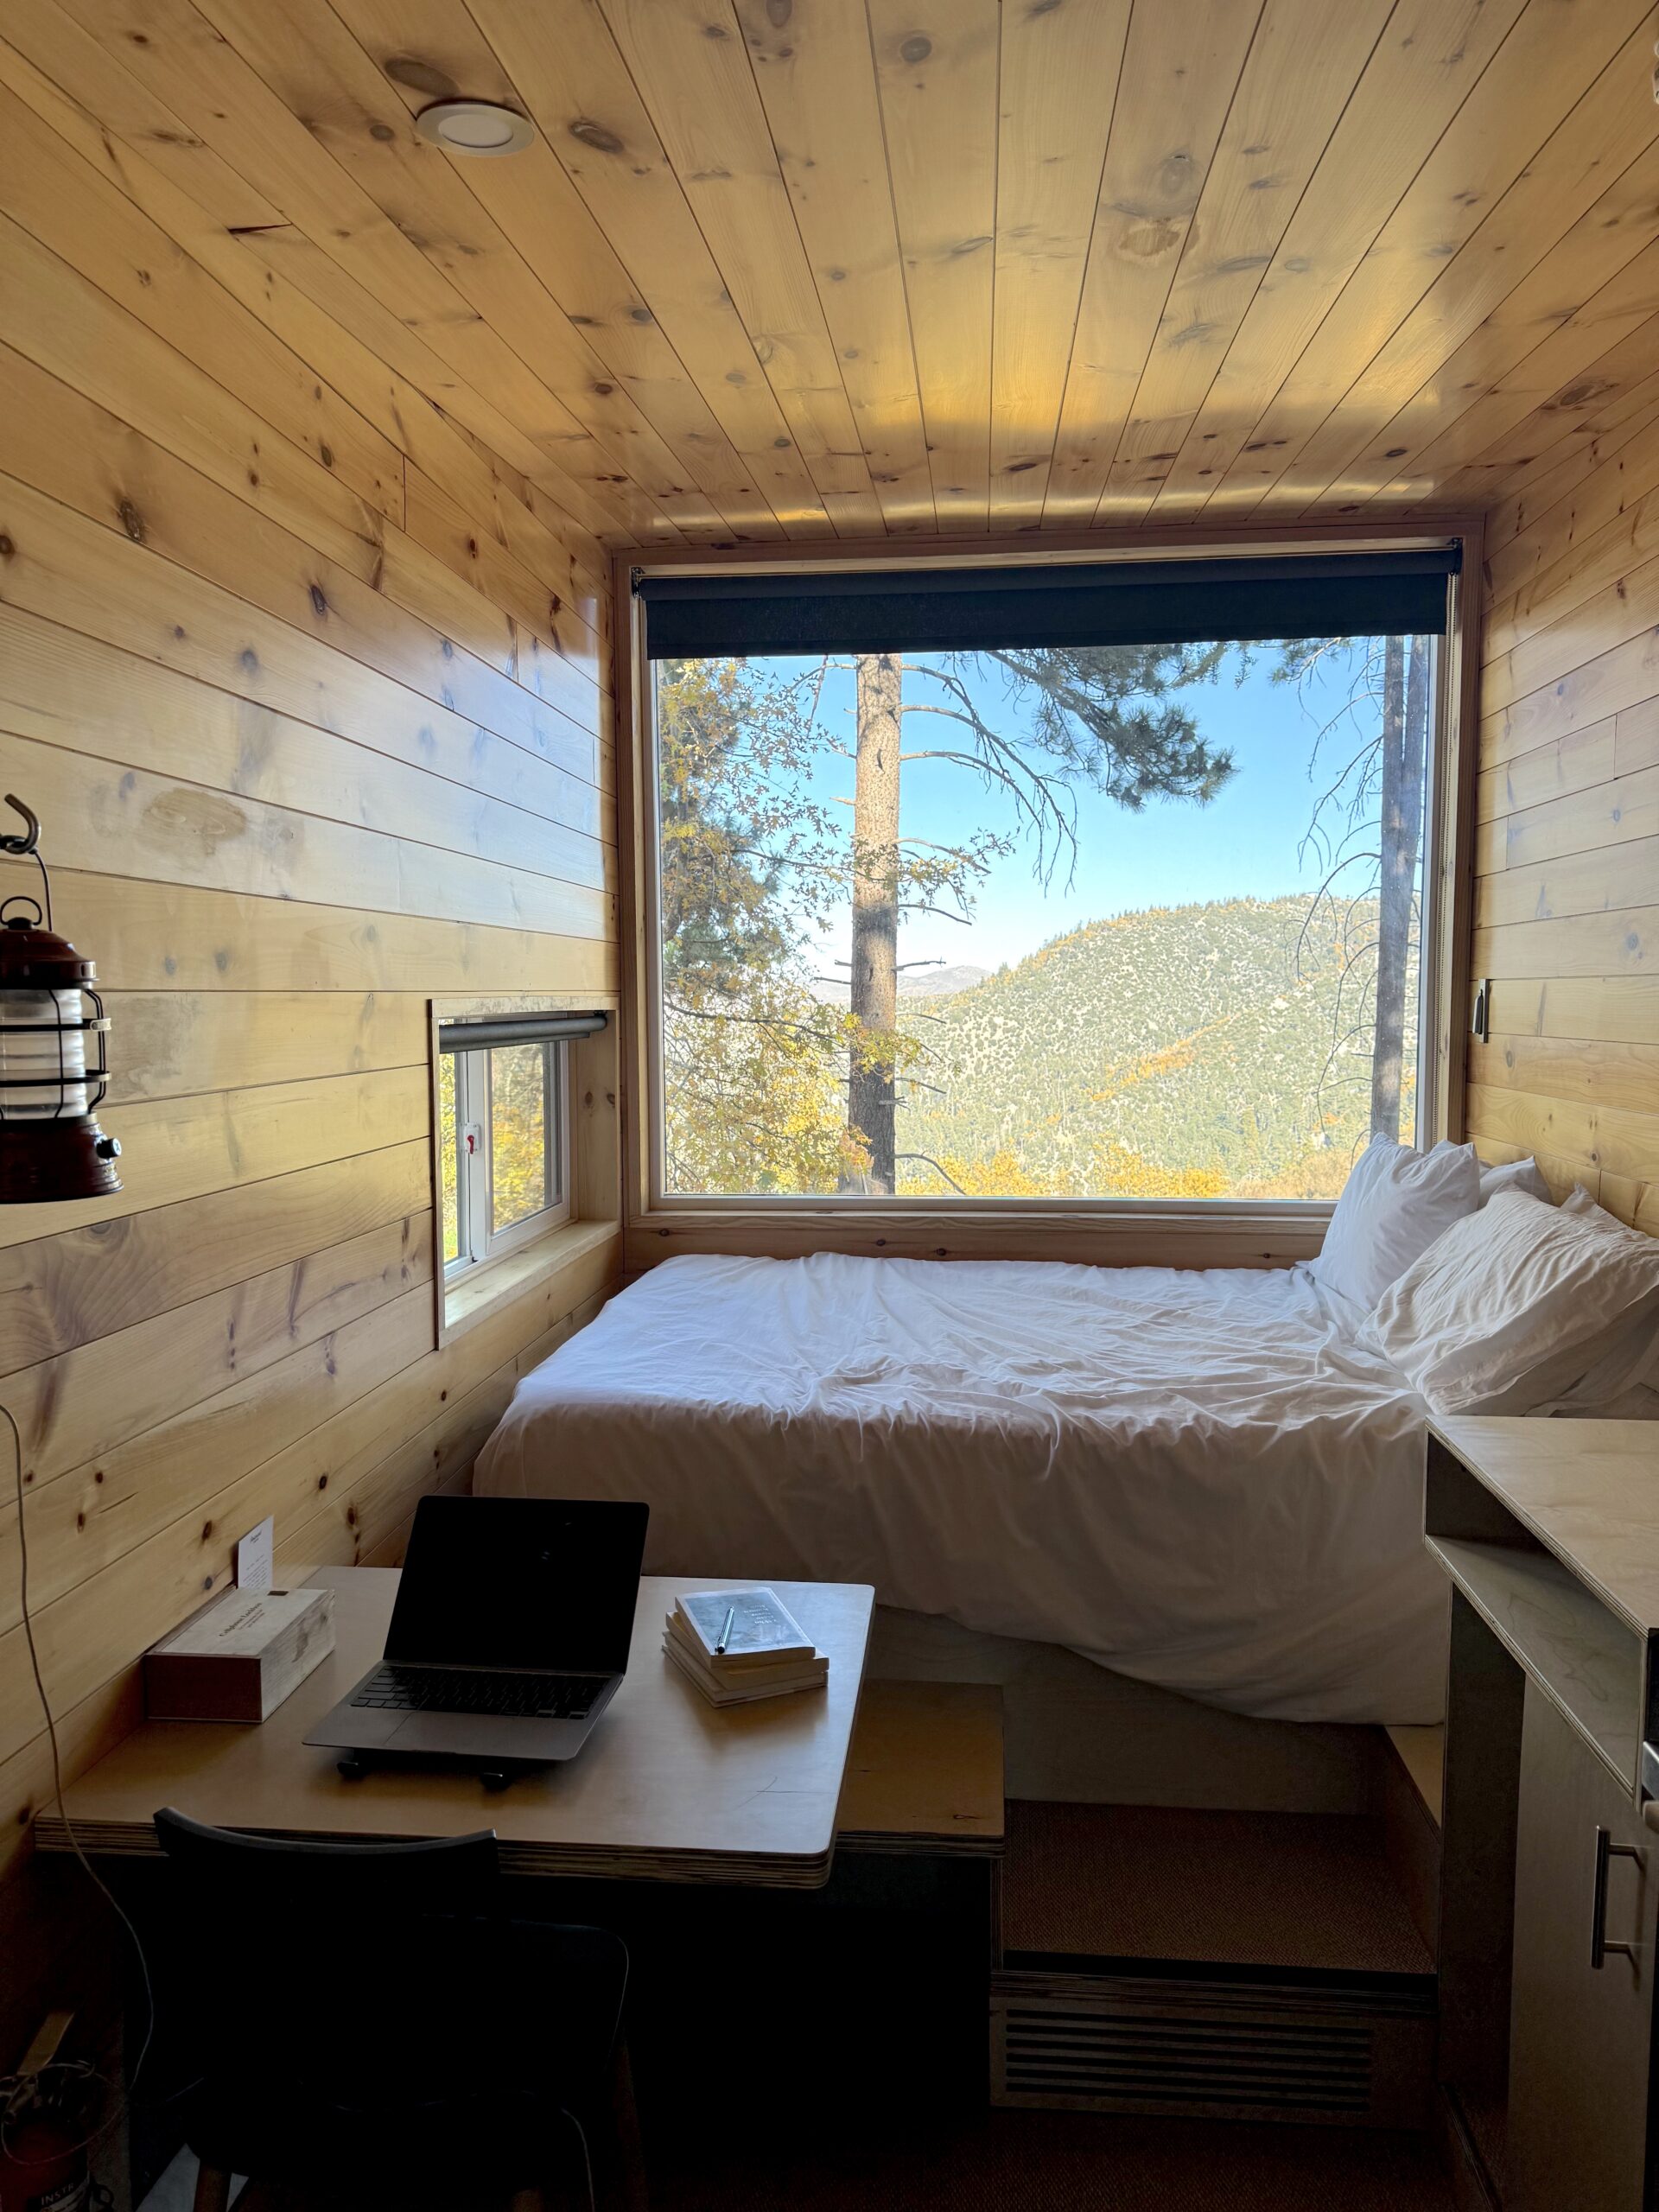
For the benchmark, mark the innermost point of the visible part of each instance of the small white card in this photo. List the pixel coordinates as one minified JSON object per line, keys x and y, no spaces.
{"x":256,"y":1557}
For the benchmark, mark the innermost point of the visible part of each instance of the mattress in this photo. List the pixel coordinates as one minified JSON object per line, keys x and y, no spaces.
{"x":1197,"y":1478}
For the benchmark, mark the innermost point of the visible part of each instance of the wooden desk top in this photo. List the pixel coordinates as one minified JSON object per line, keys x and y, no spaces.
{"x":667,"y":1788}
{"x":1587,"y":1489}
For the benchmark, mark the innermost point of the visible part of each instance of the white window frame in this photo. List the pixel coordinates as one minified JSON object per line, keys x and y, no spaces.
{"x":479,"y":1240}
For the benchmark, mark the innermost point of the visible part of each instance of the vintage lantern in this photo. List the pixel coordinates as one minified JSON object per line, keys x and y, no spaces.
{"x":51,"y":1146}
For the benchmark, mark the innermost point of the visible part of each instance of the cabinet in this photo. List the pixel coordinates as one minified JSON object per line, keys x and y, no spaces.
{"x":1580,"y":2034}
{"x":1549,"y":1890}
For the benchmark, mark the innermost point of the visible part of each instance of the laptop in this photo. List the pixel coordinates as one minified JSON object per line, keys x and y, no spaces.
{"x":509,"y":1634}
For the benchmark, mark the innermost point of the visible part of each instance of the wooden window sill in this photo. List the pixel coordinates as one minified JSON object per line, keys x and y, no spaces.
{"x":482,"y":1290}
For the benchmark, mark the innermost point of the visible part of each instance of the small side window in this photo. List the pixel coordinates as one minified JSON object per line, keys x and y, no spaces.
{"x":523,"y":1150}
{"x":503,"y":1146}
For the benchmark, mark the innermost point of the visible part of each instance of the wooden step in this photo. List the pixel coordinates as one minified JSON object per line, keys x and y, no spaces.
{"x":924,"y":1773}
{"x":1308,"y":1892}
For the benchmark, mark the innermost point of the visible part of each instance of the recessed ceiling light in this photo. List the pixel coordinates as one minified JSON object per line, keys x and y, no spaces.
{"x":474,"y":127}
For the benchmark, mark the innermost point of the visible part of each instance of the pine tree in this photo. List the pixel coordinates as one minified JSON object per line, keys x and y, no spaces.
{"x":1094,"y":717}
{"x":1367,"y":828}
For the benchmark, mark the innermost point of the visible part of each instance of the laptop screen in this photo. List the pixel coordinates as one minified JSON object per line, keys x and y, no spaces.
{"x":530,"y":1582}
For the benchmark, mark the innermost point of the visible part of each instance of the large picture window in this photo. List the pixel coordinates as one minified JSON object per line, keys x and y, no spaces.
{"x":1041,"y":885}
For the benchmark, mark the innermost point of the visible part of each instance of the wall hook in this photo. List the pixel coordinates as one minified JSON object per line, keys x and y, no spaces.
{"x":31,"y":835}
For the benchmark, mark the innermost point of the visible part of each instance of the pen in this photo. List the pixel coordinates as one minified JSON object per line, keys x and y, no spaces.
{"x":731,"y":1616}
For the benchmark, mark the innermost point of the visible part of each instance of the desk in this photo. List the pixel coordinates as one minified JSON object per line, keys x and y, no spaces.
{"x":667,"y":1788}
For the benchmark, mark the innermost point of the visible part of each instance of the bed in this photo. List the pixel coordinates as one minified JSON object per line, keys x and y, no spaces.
{"x":1199,"y":1480}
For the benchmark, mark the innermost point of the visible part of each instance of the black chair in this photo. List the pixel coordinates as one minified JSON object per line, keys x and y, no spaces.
{"x":407,"y":2042}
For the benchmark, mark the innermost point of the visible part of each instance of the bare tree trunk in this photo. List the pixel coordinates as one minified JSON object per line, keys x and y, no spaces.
{"x":875,"y":914}
{"x":1405,"y":726}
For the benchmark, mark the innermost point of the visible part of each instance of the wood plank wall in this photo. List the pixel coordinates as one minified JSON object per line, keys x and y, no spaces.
{"x":1567,"y":903}
{"x":310,"y":691}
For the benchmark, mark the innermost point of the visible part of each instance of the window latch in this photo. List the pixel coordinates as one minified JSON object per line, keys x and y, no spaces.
{"x":470,"y":1135}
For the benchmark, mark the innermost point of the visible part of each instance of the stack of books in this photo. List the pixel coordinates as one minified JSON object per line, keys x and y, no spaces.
{"x":739,"y":1645}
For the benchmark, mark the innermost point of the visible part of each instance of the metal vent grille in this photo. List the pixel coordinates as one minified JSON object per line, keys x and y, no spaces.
{"x":1208,"y":2043}
{"x":1078,"y":2054}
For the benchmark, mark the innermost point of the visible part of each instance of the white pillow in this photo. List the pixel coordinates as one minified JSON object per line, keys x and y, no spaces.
{"x":1394,"y":1204}
{"x":1514,"y":1175}
{"x":1627,"y":1358}
{"x":1580,"y":1204}
{"x":1515,"y":1305}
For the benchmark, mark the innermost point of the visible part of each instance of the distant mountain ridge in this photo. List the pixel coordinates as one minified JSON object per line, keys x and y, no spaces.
{"x":1178,"y":1050}
{"x":940,"y":982}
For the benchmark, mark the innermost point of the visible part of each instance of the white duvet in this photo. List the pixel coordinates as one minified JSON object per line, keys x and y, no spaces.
{"x":1196,"y":1479}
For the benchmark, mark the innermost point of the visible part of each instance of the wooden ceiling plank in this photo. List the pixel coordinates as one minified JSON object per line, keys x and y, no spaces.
{"x":569,"y":77}
{"x":726,"y":434}
{"x":935,"y":63}
{"x":816,"y":78}
{"x":1429,"y":57}
{"x":227,"y":103}
{"x":1551,"y":60}
{"x":1181,"y":65}
{"x":690,"y":66}
{"x":1303,"y":66}
{"x":1597,"y":288}
{"x":1060,"y":70}
{"x":804,"y":267}
{"x":303,"y":52}
{"x":62,"y":49}
{"x":79,"y":216}
{"x":1605,"y":132}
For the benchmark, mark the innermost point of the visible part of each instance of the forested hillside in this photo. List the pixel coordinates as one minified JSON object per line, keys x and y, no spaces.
{"x":1181,"y":1051}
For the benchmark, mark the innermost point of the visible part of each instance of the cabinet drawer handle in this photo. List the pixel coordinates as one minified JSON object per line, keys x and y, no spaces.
{"x":1600,"y":1946}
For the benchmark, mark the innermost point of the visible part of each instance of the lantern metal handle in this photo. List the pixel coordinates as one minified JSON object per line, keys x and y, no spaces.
{"x":26,"y":846}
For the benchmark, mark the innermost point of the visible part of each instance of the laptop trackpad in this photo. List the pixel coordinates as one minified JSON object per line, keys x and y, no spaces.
{"x":484,"y":1735}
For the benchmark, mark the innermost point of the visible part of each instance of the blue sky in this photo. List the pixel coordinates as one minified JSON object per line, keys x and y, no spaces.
{"x":1243,"y":843}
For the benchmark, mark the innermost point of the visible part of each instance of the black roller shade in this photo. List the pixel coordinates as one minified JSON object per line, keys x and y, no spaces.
{"x":1105,"y":603}
{"x":517,"y":1029}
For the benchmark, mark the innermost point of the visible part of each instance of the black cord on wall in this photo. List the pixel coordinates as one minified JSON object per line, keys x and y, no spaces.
{"x":7,"y":2088}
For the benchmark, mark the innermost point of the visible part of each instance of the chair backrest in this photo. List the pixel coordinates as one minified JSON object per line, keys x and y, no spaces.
{"x":446,"y":1874}
{"x":358,"y":1954}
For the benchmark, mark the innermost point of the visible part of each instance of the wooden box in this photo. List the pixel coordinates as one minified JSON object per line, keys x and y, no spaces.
{"x":239,"y":1658}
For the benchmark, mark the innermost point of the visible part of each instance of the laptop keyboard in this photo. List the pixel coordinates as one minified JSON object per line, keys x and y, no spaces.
{"x":439,"y":1689}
